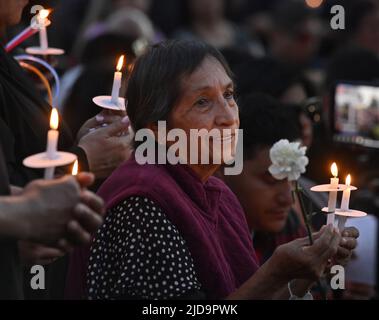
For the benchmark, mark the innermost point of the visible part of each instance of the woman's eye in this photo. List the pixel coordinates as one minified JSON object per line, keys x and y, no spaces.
{"x":202,"y":102}
{"x":229,"y":95}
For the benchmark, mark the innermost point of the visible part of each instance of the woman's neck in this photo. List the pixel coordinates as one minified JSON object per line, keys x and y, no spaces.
{"x":204,"y":171}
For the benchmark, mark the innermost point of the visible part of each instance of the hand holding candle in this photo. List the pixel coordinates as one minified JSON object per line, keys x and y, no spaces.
{"x":117,"y":81}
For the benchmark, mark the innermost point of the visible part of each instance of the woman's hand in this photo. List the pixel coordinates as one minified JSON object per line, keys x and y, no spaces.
{"x":299,"y":260}
{"x":107,"y":147}
{"x":293,"y":260}
{"x":104,"y":118}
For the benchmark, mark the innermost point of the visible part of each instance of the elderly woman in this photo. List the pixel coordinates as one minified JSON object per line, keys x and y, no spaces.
{"x":175,"y":231}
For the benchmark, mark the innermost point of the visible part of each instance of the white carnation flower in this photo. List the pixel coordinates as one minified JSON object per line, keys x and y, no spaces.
{"x":288,"y":160}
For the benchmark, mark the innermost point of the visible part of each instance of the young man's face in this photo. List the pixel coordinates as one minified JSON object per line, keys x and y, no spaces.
{"x":265,"y":200}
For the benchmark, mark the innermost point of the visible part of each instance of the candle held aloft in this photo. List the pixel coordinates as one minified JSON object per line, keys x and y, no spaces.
{"x":42,"y":22}
{"x":346,"y":195}
{"x":53,"y":135}
{"x":333,"y":194}
{"x":117,"y":81}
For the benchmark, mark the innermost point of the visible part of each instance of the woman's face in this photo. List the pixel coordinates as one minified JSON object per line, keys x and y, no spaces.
{"x":207,"y":102}
{"x":11,"y":11}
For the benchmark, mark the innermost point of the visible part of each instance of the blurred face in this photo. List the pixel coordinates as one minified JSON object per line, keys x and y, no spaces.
{"x":265,"y":200}
{"x":297,"y":95}
{"x":11,"y":11}
{"x":206,"y":9}
{"x":207,"y":102}
{"x":299,"y":47}
{"x":142,"y":5}
{"x":306,"y":130}
{"x":367,"y":34}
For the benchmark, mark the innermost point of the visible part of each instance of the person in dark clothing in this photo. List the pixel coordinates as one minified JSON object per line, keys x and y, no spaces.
{"x":162,"y":257}
{"x":268,"y":204}
{"x":24,"y":122}
{"x":24,"y":118}
{"x":56,"y":213}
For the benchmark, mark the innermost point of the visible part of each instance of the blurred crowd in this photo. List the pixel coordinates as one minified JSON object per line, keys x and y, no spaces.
{"x":286,"y":49}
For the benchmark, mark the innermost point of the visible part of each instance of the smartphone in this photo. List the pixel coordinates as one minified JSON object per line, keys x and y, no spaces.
{"x":355,"y":113}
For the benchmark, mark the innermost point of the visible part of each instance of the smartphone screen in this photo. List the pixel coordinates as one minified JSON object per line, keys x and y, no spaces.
{"x":356,"y":114}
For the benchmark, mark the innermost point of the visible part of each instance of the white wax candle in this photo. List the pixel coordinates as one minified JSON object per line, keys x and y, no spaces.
{"x":42,"y":21}
{"x":52,"y":144}
{"x":43,"y":38}
{"x":333,"y":195}
{"x":346,"y":195}
{"x":117,"y":81}
{"x":116,"y":87}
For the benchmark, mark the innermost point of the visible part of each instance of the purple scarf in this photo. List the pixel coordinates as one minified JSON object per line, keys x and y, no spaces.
{"x":207,"y":215}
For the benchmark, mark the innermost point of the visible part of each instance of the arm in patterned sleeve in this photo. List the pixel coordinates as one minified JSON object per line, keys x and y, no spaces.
{"x":139,"y":254}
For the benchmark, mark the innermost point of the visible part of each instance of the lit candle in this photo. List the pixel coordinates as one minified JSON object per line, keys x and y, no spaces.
{"x":75,"y":168}
{"x":117,"y":81}
{"x":333,"y":194}
{"x":345,"y":204}
{"x":52,"y":135}
{"x":42,"y":22}
{"x":52,"y":142}
{"x":346,"y":195}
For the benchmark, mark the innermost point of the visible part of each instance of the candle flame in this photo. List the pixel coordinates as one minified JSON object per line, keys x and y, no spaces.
{"x":348,"y":180}
{"x":54,"y":119}
{"x":75,"y":168}
{"x":44,"y":13}
{"x":120,"y":63}
{"x":334,"y":170}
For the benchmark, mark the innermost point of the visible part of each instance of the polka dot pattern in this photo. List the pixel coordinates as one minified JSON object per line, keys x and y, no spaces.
{"x":139,"y":253}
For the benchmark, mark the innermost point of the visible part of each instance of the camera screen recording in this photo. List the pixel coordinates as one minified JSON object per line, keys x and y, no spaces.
{"x":356,"y":114}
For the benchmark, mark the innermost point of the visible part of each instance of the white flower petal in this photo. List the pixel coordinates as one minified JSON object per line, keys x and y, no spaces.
{"x":288,"y":160}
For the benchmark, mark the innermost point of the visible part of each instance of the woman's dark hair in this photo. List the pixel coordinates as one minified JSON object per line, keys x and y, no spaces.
{"x":155,"y":83}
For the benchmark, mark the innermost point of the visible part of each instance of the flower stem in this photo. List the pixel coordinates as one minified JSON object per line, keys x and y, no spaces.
{"x":309,"y":232}
{"x":303,"y":212}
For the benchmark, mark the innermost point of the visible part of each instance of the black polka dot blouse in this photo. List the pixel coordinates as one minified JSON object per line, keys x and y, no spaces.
{"x":139,"y":254}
